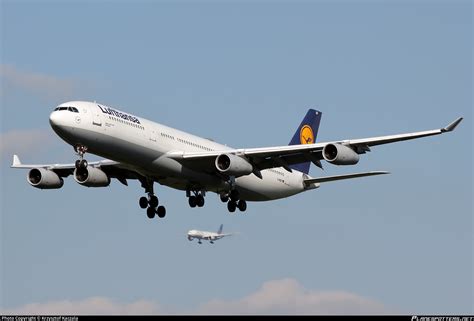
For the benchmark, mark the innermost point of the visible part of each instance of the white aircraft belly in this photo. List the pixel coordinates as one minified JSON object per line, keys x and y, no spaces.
{"x":271,"y":187}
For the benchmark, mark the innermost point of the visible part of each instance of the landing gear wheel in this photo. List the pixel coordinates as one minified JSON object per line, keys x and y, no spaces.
{"x":150,"y":212}
{"x":143,"y":202}
{"x":200,"y":200}
{"x":161,"y":211}
{"x":234,"y":195}
{"x":242,"y":205}
{"x":153,"y":201}
{"x":78,"y":164}
{"x":231,"y":206}
{"x":192,"y":201}
{"x":224,"y":198}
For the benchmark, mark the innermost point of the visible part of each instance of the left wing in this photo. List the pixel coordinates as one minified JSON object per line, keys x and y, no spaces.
{"x":112,"y":168}
{"x":283,"y":156}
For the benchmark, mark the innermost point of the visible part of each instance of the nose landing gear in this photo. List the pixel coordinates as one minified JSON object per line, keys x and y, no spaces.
{"x":80,"y":151}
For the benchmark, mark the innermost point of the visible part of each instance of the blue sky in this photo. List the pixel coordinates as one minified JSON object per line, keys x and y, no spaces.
{"x":244,"y":74}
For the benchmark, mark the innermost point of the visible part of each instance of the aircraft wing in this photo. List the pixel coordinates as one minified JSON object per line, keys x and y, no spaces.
{"x":282,"y":156}
{"x":227,"y":234}
{"x":112,"y":168}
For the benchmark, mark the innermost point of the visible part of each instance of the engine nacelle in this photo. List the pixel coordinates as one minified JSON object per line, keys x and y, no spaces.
{"x":338,"y":154}
{"x":232,"y":165}
{"x":44,"y":179}
{"x":91,"y":177}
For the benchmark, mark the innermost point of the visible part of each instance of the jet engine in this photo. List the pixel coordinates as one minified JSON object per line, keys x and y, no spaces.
{"x":338,"y":154}
{"x":232,"y":165}
{"x":44,"y":179}
{"x":91,"y":177}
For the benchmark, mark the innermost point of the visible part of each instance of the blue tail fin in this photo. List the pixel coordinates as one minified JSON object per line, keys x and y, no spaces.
{"x":306,"y":134}
{"x":219,"y":231}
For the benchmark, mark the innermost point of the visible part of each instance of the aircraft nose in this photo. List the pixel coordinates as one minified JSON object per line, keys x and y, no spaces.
{"x":54,"y":119}
{"x":59,"y":121}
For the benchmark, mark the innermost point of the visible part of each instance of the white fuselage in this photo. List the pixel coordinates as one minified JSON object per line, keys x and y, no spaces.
{"x":203,"y":235}
{"x":142,"y":145}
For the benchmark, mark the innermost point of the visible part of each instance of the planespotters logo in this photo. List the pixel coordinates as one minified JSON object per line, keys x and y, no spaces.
{"x":443,"y":318}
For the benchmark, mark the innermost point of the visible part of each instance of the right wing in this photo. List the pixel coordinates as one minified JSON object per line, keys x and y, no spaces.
{"x":227,"y":234}
{"x":283,"y":156}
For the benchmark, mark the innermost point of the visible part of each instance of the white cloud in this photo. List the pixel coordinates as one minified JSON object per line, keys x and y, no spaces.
{"x":23,"y":142}
{"x":285,"y":296}
{"x":37,"y":83}
{"x":94,"y":305}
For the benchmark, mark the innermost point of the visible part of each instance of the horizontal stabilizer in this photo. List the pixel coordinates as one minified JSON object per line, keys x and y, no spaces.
{"x":340,"y":177}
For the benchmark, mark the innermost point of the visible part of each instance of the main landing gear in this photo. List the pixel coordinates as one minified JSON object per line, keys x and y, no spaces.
{"x":151,"y":202}
{"x":197,"y":199}
{"x":233,"y":201}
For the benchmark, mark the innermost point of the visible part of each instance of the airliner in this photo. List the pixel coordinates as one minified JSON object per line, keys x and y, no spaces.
{"x":204,"y":235}
{"x":134,"y":148}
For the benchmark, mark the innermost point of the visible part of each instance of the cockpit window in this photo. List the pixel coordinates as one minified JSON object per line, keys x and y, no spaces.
{"x":71,"y":109}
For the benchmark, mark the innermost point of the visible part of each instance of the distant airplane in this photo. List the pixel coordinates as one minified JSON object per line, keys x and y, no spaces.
{"x":149,"y":152}
{"x":204,"y":235}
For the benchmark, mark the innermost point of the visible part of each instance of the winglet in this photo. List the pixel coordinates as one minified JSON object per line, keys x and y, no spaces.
{"x":16,"y":161}
{"x":451,"y":126}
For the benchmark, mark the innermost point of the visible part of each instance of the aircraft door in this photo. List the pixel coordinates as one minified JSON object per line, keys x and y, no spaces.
{"x":97,"y":117}
{"x":153,"y":136}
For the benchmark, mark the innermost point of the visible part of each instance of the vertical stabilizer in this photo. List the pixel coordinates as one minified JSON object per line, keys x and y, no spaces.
{"x":306,"y":133}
